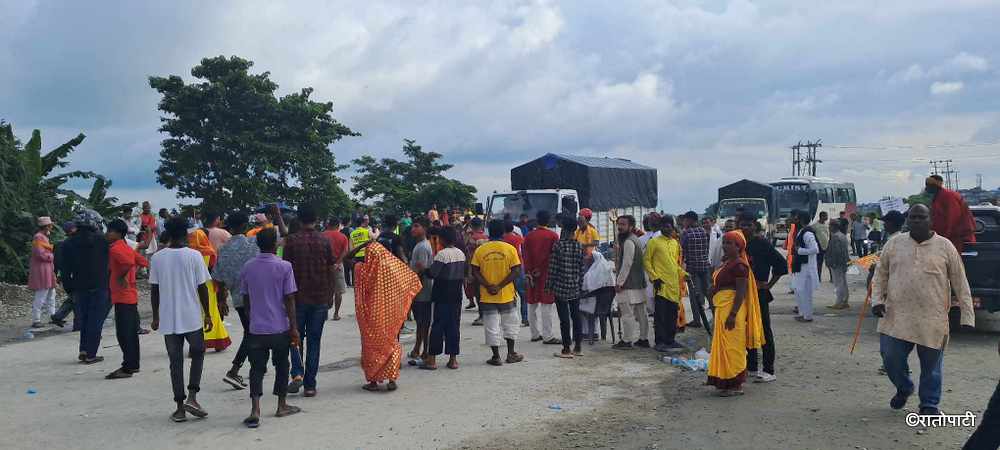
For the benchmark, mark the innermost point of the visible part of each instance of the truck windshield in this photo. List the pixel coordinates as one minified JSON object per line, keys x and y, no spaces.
{"x":735,"y":207}
{"x":513,"y":205}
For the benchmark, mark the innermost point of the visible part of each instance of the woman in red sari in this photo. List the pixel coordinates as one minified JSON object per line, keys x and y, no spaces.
{"x":384,"y":287}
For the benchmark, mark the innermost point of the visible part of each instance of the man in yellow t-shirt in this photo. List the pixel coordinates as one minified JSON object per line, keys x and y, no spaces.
{"x":495,"y":264}
{"x":360,"y":235}
{"x":586,"y":234}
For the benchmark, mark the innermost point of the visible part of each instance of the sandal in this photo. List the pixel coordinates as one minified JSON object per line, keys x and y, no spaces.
{"x":453,"y":366}
{"x":195,"y":410}
{"x":252,"y":422}
{"x":94,"y":360}
{"x":563,"y":355}
{"x":391,"y":386}
{"x":427,"y":367}
{"x":371,"y":387}
{"x":514,"y":358}
{"x":494,"y":362}
{"x":288,"y":412}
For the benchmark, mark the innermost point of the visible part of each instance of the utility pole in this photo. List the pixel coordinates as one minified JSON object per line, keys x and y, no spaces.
{"x":979,"y":181}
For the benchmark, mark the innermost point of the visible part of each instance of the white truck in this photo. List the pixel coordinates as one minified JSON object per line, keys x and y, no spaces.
{"x":512,"y":204}
{"x":563,"y":184}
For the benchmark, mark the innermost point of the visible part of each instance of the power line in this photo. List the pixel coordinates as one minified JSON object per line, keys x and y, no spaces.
{"x":810,"y":161}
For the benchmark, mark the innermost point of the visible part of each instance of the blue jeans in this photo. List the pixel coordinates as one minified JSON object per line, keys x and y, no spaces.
{"x":310,"y":320}
{"x":520,"y":283}
{"x":894,"y":355}
{"x":92,"y":307}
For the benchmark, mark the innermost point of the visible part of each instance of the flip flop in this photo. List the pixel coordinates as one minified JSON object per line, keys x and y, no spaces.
{"x":288,"y":412}
{"x":252,"y":422}
{"x":452,"y":366}
{"x":563,"y":355}
{"x":494,"y":362}
{"x":195,"y":410}
{"x":370,"y":387}
{"x":426,"y":367}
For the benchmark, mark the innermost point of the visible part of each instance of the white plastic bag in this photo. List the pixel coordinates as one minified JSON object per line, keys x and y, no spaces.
{"x":599,"y":275}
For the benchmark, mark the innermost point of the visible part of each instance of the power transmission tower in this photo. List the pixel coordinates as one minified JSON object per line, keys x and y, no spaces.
{"x":796,"y":159}
{"x":805,"y":166}
{"x":979,"y":180}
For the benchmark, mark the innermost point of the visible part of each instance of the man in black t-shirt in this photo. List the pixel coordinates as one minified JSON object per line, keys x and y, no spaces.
{"x":389,"y":239}
{"x":768,"y":266}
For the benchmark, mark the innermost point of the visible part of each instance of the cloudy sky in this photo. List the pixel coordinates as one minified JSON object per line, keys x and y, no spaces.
{"x":705,"y":91}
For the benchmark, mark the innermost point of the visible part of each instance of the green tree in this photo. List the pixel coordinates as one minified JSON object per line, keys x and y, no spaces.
{"x":29,"y":189}
{"x":234,"y":144}
{"x":412,"y":185}
{"x":107,"y":206}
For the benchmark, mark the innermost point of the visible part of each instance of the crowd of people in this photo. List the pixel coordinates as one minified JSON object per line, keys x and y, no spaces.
{"x":283,"y":280}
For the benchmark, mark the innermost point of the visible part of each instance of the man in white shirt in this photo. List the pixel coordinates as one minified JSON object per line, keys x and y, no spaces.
{"x":179,"y":294}
{"x":806,"y":276}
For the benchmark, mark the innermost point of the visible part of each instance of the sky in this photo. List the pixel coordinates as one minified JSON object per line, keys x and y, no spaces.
{"x":706,"y":92}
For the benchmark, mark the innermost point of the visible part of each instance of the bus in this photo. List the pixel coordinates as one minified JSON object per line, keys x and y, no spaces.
{"x":813,"y":195}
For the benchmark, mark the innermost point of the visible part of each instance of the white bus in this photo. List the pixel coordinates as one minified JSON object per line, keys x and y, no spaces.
{"x":813,"y":195}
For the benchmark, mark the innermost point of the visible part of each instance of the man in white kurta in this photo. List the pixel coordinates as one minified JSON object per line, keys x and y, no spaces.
{"x":805,"y":276}
{"x":914,"y":282}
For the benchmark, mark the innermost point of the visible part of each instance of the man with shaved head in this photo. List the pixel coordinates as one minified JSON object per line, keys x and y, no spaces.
{"x":912,"y":289}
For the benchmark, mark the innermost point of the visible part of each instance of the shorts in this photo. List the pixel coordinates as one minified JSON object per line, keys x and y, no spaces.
{"x":339,"y":284}
{"x":422,"y":313}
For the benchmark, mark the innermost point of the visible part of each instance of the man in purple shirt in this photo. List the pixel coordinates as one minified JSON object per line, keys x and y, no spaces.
{"x":268,"y":288}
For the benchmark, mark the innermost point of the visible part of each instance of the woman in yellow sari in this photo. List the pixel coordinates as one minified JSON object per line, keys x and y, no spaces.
{"x":217,"y":337}
{"x":737,"y":318}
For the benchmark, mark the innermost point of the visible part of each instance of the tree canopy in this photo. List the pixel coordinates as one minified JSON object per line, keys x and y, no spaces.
{"x":234,"y":144}
{"x":412,"y":185}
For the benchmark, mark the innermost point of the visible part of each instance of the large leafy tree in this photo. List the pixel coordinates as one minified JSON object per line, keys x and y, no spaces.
{"x":28,"y":189}
{"x":234,"y":144}
{"x":412,"y":185}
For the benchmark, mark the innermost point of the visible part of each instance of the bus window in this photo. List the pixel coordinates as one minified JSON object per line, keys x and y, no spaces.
{"x":843,"y":195}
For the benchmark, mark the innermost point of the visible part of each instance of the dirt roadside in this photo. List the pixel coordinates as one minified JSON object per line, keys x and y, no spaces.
{"x":825,"y":398}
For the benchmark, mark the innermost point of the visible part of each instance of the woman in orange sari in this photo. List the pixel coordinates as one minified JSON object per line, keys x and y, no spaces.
{"x":384,"y":287}
{"x":737,"y":318}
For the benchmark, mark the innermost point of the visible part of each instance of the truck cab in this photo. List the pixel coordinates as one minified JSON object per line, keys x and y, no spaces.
{"x":511,"y":205}
{"x":730,"y":208}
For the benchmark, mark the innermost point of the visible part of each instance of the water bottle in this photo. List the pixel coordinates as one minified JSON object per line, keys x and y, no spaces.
{"x":701,"y":355}
{"x":28,"y":335}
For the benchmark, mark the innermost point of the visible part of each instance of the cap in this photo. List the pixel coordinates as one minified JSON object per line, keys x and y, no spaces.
{"x":587,"y":213}
{"x":44,"y":220}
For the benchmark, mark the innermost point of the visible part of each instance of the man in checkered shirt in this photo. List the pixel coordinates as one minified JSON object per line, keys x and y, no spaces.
{"x":694,"y":245}
{"x":565,"y":283}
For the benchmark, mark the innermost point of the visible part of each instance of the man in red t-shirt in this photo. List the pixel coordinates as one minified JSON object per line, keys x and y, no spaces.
{"x":122,"y":265}
{"x":473,"y":239}
{"x":339,"y":243}
{"x":537,"y":250}
{"x":517,"y":241}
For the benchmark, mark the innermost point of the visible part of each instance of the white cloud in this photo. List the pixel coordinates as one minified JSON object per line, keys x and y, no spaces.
{"x":969,"y":62}
{"x":946,"y":87}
